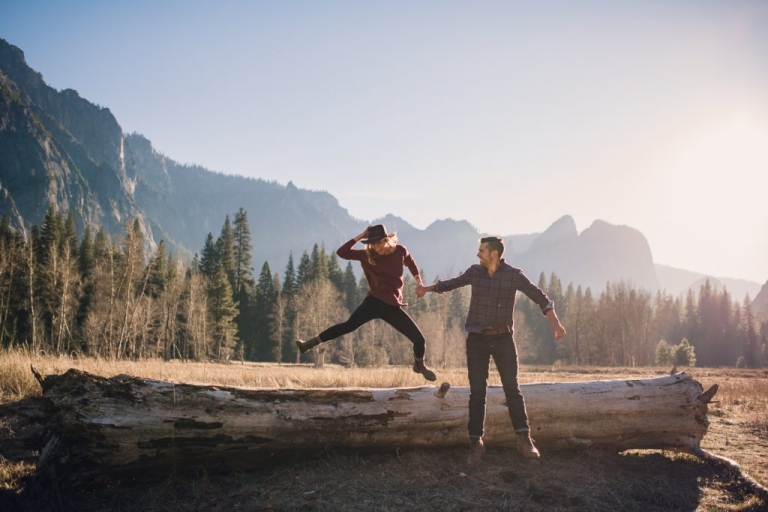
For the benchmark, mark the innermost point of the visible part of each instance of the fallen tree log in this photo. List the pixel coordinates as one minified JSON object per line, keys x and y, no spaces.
{"x":127,"y":428}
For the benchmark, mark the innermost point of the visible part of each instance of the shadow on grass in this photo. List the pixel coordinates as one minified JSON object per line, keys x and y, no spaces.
{"x":428,"y":480}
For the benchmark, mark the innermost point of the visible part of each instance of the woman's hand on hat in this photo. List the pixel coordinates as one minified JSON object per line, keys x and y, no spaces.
{"x":362,"y":235}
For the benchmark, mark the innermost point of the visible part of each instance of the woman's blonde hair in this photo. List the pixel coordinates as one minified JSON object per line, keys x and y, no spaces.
{"x":372,"y":255}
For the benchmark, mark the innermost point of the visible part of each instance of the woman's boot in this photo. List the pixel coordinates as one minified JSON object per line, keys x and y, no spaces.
{"x":309,"y":344}
{"x":420,"y":367}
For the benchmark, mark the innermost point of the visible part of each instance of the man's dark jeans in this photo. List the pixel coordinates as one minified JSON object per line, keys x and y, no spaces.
{"x":480,"y":348}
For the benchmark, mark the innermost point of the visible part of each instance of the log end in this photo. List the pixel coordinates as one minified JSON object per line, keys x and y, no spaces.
{"x":441,"y":392}
{"x":706,"y":397}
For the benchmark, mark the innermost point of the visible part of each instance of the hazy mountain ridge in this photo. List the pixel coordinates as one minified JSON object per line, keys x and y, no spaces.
{"x":56,"y":147}
{"x":678,"y":281}
{"x":760,"y":304}
{"x":600,"y":254}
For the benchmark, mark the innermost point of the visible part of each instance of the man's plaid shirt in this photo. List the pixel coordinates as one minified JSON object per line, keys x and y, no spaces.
{"x":493,"y":297}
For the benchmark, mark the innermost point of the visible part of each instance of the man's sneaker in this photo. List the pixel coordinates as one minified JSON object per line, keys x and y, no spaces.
{"x":526,"y":447}
{"x":420,"y":367}
{"x":476,"y":451}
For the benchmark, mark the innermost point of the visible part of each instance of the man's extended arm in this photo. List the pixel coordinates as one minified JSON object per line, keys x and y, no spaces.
{"x":558,"y":331}
{"x":445,"y":286}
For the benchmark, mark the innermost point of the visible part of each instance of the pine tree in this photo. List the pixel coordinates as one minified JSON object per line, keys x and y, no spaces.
{"x":172,"y":267}
{"x":225,"y":250}
{"x":101,"y":245}
{"x":304,"y":272}
{"x":691,"y":318}
{"x":288,"y":310}
{"x":362,"y":287}
{"x":86,"y":253}
{"x":194,"y":266}
{"x":728,"y":321}
{"x":69,"y":234}
{"x":87,"y":261}
{"x":48,"y":272}
{"x":318,"y":264}
{"x":242,"y":250}
{"x":209,"y":258}
{"x":708,"y":324}
{"x":158,"y":271}
{"x":222,"y":311}
{"x":764,"y":344}
{"x":277,"y":321}
{"x":246,"y":322}
{"x":265,"y":300}
{"x":349,"y":288}
{"x":587,"y":349}
{"x":335,"y":274}
{"x":685,"y":354}
{"x":541,"y":339}
{"x":289,"y":281}
{"x":50,"y":236}
{"x":570,"y":346}
{"x":748,"y":334}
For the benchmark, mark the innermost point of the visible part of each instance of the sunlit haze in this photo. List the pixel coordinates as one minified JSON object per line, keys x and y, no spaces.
{"x":508,"y":115}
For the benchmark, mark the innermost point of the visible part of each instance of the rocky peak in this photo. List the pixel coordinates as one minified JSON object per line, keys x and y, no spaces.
{"x":563,"y":230}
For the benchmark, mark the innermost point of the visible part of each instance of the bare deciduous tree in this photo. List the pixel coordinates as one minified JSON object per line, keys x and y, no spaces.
{"x":318,"y":305}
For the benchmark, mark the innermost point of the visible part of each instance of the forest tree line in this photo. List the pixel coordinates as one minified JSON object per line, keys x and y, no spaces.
{"x":93,"y":296}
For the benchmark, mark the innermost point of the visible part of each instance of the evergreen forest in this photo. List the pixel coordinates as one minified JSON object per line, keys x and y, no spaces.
{"x":94,"y":296}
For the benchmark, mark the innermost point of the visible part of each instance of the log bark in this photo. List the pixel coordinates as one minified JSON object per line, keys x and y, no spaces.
{"x":127,"y":428}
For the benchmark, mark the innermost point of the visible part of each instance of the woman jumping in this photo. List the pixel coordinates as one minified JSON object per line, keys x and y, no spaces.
{"x":382,"y":260}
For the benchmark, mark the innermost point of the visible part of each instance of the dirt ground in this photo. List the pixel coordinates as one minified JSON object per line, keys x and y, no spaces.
{"x":439,"y":480}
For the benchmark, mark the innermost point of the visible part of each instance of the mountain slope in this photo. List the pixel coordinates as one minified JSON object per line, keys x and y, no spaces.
{"x":678,"y":281}
{"x":58,"y":148}
{"x":760,"y":304}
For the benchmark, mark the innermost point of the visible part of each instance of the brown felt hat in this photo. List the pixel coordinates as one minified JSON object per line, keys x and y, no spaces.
{"x":375,"y":234}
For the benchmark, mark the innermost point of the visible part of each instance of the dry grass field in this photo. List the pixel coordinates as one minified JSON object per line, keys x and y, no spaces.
{"x":423,"y":479}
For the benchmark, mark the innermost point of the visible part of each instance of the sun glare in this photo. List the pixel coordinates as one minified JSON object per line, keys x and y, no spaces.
{"x":713,"y":195}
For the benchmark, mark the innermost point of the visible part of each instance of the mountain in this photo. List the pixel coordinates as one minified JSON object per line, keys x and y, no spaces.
{"x":184,"y":203}
{"x":58,"y":148}
{"x":760,"y":304}
{"x":678,"y":281}
{"x":602,"y":253}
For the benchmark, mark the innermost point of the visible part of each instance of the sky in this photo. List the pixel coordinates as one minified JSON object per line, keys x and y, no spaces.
{"x":506,"y":114}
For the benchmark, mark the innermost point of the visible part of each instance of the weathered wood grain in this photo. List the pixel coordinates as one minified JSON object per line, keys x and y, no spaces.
{"x":127,"y":427}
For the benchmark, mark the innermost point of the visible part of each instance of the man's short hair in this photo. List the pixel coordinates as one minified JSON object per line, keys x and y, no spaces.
{"x":494,"y":244}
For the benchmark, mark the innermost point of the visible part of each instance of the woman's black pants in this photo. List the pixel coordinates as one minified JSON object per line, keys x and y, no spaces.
{"x":395,"y":316}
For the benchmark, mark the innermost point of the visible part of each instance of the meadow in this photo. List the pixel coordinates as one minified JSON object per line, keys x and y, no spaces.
{"x":422,"y":479}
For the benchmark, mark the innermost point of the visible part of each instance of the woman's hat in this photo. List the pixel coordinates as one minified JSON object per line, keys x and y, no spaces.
{"x":375,"y":234}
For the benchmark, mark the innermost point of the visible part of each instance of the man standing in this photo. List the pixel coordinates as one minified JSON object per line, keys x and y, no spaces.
{"x":489,"y":326}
